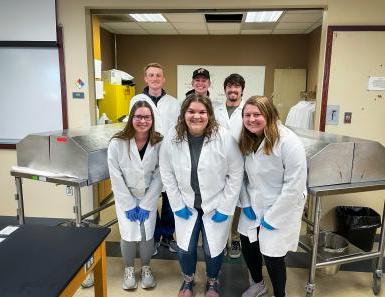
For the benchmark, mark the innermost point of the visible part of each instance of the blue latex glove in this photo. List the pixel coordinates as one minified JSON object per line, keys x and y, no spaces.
{"x":266,"y":225}
{"x":249,"y":212}
{"x":142,"y":214}
{"x":184,"y":213}
{"x":219,"y":217}
{"x":132,"y":214}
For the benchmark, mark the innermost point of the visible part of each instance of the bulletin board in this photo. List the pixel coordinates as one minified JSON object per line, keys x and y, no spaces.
{"x":254,"y":77}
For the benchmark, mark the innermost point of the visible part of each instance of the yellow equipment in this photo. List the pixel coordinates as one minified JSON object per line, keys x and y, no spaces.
{"x":116,"y":101}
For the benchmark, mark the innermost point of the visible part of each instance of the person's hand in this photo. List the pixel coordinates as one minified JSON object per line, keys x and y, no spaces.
{"x":184,"y":213}
{"x":219,"y":217}
{"x":265,"y":225}
{"x":249,"y":212}
{"x":142,"y":214}
{"x":132,"y":214}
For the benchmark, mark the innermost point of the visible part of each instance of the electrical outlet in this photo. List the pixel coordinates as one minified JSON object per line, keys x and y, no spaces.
{"x":69,"y":191}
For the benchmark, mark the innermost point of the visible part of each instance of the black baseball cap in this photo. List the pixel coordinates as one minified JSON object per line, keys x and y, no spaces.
{"x":201,"y":71}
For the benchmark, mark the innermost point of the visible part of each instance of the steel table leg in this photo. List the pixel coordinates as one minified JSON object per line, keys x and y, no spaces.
{"x":377,"y":275}
{"x":19,"y":199}
{"x":78,"y":206}
{"x":310,"y":287}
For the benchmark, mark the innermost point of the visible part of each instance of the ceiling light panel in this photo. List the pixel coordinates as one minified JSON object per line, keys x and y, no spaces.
{"x":262,"y":16}
{"x":148,"y":17}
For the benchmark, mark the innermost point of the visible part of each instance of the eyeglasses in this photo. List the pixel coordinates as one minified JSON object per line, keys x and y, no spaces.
{"x":138,"y":118}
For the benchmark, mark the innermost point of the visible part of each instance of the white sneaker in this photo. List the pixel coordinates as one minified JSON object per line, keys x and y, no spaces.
{"x":88,"y":281}
{"x":129,"y":280}
{"x":148,"y":279}
{"x":255,"y":290}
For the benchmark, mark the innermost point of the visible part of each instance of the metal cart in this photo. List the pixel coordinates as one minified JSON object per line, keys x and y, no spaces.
{"x":337,"y":165}
{"x":79,"y":153}
{"x":352,"y":254}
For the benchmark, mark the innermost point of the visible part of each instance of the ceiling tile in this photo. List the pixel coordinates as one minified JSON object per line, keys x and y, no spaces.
{"x":295,"y":31}
{"x":162,"y":32}
{"x":155,"y":26}
{"x":292,"y":26}
{"x":193,"y":32}
{"x":310,"y":11}
{"x":222,"y":26}
{"x":189,"y":26}
{"x":131,"y":32}
{"x":223,"y":32}
{"x":253,"y":32}
{"x":300,"y":18}
{"x":184,"y":17}
{"x":122,"y":25}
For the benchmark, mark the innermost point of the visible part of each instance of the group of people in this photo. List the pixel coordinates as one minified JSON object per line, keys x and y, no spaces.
{"x":228,"y":166}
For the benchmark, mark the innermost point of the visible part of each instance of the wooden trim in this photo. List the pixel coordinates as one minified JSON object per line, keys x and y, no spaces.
{"x":328,"y":57}
{"x":7,"y":146}
{"x":63,"y":85}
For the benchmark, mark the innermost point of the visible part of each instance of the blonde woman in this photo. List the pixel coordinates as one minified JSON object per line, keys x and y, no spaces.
{"x":275,"y":165}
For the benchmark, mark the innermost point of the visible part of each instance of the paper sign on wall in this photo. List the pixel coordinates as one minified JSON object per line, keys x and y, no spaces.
{"x":376,"y":83}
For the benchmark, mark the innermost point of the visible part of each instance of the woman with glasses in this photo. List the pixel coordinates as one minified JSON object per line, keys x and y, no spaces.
{"x":275,"y":166}
{"x":202,"y":170}
{"x":136,"y":184}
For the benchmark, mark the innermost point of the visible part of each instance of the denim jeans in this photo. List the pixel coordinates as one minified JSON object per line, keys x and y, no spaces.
{"x":188,"y":260}
{"x":165,"y":224}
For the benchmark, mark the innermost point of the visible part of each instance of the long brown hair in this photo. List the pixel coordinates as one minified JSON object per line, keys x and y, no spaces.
{"x":181,"y":126}
{"x":249,"y":142}
{"x":129,"y":132}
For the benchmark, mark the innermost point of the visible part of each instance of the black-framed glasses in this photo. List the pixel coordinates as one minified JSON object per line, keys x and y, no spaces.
{"x":139,"y":117}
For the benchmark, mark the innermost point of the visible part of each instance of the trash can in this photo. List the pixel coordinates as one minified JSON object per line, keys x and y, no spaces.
{"x":358,"y":225}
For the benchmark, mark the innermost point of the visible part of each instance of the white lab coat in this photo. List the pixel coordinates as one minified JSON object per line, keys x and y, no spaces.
{"x":135,"y":182}
{"x":220,"y":174}
{"x":166,"y":111}
{"x":276,"y":190}
{"x":234,"y":123}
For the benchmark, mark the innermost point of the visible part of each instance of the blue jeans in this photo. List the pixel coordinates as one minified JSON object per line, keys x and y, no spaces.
{"x":188,"y":260}
{"x":165,"y":224}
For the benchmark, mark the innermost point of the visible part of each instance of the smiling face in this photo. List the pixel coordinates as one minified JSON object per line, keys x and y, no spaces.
{"x":233,"y":94}
{"x":201,"y":84}
{"x":154,"y":78}
{"x":196,"y":118}
{"x":142,"y":120}
{"x":253,"y":119}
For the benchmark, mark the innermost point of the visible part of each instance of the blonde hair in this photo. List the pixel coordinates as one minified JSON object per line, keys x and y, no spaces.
{"x":181,"y":126}
{"x":249,"y":142}
{"x":155,"y":65}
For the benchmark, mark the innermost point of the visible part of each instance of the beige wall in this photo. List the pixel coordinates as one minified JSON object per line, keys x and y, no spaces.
{"x":74,"y":15}
{"x":272,"y":51}
{"x":314,"y":41}
{"x":107,"y":49}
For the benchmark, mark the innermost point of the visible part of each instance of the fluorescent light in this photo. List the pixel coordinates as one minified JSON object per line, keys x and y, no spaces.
{"x":263,"y":16}
{"x":148,"y":17}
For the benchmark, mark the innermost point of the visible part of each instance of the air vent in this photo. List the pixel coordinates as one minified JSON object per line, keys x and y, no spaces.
{"x":224,"y":18}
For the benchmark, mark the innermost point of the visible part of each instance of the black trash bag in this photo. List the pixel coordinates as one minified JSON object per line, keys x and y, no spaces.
{"x":358,"y":225}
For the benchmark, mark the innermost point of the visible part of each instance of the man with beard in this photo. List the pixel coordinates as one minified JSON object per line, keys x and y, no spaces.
{"x":229,"y":116}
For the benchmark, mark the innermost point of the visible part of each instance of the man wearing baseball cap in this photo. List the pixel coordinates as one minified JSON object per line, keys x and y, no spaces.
{"x":200,"y":82}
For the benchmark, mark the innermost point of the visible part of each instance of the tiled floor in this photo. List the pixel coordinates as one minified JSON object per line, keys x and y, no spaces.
{"x":234,"y":277}
{"x":234,"y":281}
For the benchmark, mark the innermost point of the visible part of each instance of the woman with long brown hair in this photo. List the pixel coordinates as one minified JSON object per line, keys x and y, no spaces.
{"x":202,"y":171}
{"x":133,"y":162}
{"x":275,"y":167}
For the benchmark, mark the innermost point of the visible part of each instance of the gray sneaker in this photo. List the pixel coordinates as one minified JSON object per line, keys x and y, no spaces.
{"x":255,"y":290}
{"x":235,"y":249}
{"x":89,"y":281}
{"x":156,"y":248}
{"x":148,"y":279}
{"x":129,"y":280}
